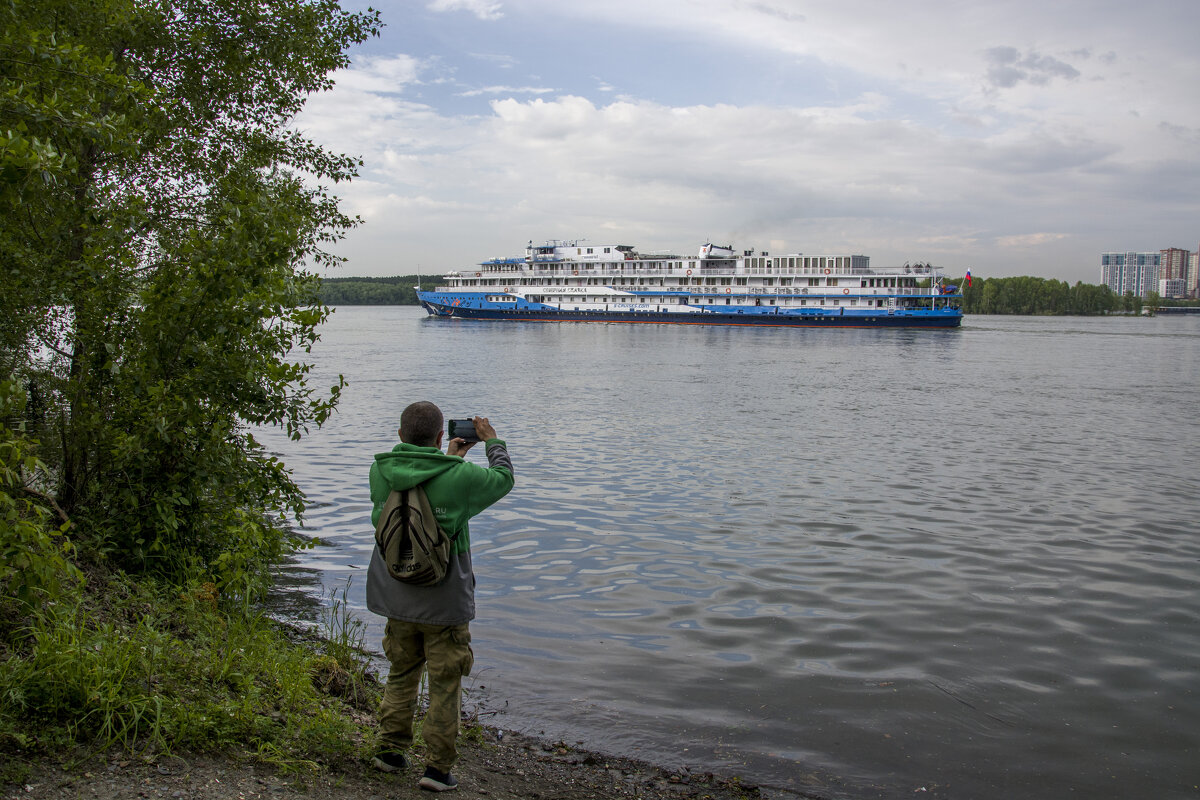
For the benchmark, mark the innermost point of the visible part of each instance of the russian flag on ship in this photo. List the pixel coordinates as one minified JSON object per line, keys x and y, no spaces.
{"x":968,"y":276}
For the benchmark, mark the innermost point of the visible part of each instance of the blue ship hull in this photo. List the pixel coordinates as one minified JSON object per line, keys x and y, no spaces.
{"x":462,"y":305}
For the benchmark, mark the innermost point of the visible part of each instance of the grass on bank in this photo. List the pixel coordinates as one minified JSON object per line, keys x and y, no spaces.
{"x":152,"y":668}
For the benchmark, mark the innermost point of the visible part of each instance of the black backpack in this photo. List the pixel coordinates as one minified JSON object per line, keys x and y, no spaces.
{"x":413,"y":545}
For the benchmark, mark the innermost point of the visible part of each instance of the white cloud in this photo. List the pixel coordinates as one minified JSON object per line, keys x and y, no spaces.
{"x":1030,"y":239}
{"x":498,"y":60}
{"x":484,"y":9}
{"x":382,"y":75}
{"x":505,"y":90}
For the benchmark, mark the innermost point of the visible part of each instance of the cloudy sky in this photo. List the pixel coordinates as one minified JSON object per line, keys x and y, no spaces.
{"x":1016,"y":137}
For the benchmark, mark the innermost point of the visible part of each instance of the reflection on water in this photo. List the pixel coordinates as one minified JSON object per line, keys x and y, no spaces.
{"x":962,"y":561}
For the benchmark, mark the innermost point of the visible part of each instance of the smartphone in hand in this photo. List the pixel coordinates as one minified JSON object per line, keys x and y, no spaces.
{"x":462,"y":429}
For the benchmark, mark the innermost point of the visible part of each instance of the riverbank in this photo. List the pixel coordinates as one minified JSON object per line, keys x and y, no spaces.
{"x":493,"y":766}
{"x":131,"y":689}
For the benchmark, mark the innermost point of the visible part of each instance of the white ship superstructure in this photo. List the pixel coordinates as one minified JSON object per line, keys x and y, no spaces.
{"x":573,"y":280}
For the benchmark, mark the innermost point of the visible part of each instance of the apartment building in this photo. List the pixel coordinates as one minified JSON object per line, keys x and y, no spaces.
{"x":1173,"y":272}
{"x":1130,"y":272}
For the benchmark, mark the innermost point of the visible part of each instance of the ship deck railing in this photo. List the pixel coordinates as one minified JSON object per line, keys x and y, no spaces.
{"x":814,"y":292}
{"x":601,"y":269}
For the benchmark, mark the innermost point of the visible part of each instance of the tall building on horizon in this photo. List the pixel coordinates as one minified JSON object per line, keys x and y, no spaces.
{"x":1173,"y":272}
{"x":1193,"y":276}
{"x":1174,"y":263}
{"x":1131,"y":272}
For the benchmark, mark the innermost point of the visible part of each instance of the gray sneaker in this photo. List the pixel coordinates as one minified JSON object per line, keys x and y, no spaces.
{"x":390,"y":761}
{"x":435,"y":781}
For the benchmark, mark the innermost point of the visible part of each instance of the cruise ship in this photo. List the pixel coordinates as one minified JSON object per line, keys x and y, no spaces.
{"x":578,"y":282}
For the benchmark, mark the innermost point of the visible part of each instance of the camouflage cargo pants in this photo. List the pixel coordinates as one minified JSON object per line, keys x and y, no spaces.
{"x":445,"y":653}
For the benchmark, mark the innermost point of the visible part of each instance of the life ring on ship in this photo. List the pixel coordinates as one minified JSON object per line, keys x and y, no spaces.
{"x":689,"y":272}
{"x":845,"y":291}
{"x":727,"y":291}
{"x":477,"y":274}
{"x":826,"y":271}
{"x":576,"y":272}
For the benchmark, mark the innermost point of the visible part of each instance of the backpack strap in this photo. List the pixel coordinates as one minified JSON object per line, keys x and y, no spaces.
{"x":405,"y":509}
{"x":453,"y":537}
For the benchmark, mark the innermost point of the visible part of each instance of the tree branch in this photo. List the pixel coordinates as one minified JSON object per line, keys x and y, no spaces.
{"x":45,"y":498}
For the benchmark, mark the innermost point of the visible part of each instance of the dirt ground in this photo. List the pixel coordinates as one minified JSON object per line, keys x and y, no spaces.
{"x":505,"y":766}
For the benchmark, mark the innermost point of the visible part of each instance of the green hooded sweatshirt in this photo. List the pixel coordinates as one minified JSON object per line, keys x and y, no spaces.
{"x":457,"y":490}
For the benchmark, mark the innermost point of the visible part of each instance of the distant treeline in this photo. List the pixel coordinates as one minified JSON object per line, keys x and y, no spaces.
{"x":395,"y":291}
{"x":1022,"y":295}
{"x":1029,"y":295}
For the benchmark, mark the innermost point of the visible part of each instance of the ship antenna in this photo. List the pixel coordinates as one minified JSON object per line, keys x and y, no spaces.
{"x":418,"y":277}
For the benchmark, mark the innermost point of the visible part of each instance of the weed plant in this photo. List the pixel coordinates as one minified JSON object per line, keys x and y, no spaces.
{"x":151,"y":668}
{"x":342,"y":671}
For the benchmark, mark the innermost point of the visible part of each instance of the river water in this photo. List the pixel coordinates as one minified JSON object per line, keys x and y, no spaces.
{"x":848,"y":563}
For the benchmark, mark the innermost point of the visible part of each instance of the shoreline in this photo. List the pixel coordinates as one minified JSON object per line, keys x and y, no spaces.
{"x":315,"y":745}
{"x":493,"y":765}
{"x":297,"y":604}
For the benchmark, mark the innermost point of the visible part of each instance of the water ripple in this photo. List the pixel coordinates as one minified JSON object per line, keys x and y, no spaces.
{"x":902,"y":558}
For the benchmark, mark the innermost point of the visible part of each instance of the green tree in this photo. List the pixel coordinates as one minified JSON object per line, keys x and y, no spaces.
{"x":399,"y":290}
{"x":154,"y":232}
{"x":1031,"y":295}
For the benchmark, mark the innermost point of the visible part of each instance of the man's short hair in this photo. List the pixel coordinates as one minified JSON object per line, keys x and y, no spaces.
{"x":420,"y":424}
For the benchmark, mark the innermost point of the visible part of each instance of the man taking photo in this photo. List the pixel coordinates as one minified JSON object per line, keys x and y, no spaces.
{"x":427,"y":626}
